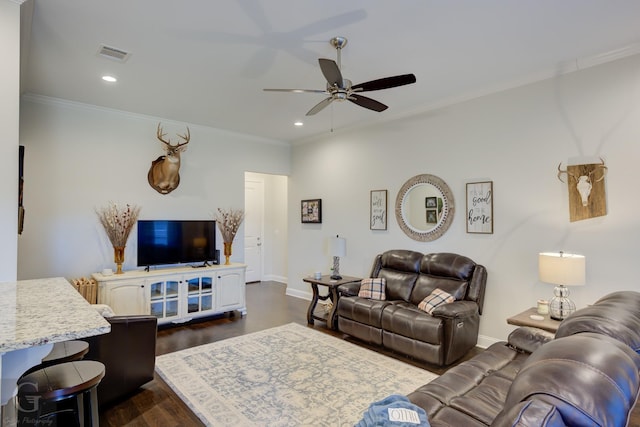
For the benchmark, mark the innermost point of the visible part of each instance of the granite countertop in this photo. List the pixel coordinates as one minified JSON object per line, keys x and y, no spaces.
{"x":41,"y":311}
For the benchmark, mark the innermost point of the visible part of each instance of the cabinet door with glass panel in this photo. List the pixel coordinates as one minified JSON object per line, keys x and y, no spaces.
{"x":200,"y":294}
{"x":164,"y":299}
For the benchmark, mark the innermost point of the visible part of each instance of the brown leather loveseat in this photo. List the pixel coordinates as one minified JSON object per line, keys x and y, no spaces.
{"x":397,"y":323}
{"x":587,"y":375}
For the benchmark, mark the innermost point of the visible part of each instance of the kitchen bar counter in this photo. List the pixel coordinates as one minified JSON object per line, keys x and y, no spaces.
{"x":35,"y":314}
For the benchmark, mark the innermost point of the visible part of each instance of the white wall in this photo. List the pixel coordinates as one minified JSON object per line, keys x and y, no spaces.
{"x":516,"y":139}
{"x":9,"y":123}
{"x":80,"y":157}
{"x":276,"y":221}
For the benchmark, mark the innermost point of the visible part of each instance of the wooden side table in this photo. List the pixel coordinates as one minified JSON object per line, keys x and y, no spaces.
{"x":524,"y":319}
{"x":332,"y":295}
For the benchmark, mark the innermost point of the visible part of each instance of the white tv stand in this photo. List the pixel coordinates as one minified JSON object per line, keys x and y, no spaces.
{"x":175,"y":295}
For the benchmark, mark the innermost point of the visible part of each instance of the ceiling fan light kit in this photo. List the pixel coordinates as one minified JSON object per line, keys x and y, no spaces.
{"x":341,"y":89}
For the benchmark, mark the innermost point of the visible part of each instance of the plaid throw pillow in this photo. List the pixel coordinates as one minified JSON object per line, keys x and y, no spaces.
{"x":373,"y":288}
{"x":437,"y":298}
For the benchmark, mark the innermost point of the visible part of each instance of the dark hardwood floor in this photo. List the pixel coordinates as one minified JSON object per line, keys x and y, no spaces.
{"x":267,"y":306}
{"x":156,"y":405}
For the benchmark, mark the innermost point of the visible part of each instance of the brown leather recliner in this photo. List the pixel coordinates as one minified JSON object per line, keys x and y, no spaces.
{"x":128,"y":353}
{"x":398,"y":324}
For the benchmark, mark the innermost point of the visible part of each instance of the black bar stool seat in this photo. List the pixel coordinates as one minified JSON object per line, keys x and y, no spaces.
{"x":63,"y":394}
{"x":65,"y":351}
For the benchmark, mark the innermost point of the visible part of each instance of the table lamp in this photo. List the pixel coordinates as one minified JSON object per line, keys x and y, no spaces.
{"x":338,"y":249}
{"x":562,"y":270}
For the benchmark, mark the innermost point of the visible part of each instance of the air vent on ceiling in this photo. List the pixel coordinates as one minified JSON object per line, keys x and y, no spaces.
{"x":113,"y":53}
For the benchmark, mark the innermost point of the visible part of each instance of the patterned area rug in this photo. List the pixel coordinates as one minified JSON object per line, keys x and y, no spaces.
{"x":290,"y":375}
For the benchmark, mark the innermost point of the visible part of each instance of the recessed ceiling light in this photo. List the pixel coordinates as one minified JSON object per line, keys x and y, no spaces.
{"x":109,"y":79}
{"x":298,"y":123}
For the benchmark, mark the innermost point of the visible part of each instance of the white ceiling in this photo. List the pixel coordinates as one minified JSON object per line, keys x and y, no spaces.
{"x":206,"y":62}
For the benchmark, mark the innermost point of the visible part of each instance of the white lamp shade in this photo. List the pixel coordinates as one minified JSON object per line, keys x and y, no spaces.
{"x":338,"y":246}
{"x":561,"y":269}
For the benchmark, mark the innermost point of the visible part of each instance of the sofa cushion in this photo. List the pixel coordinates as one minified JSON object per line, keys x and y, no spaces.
{"x":399,"y":284}
{"x":591,"y":379}
{"x":616,"y":315}
{"x":528,"y":339}
{"x":447,"y":265}
{"x":400,"y":268}
{"x":406,"y":319}
{"x":373,"y":288}
{"x":531,"y":413}
{"x":437,"y":298}
{"x":362,"y":310}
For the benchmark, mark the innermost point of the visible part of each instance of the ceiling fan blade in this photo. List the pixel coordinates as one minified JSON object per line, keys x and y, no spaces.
{"x":385,"y":83}
{"x":331,"y":72}
{"x":369,"y":103}
{"x":319,"y":106}
{"x":296,"y":90}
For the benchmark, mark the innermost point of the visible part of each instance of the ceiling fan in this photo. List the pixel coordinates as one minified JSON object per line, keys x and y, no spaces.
{"x":340,"y":89}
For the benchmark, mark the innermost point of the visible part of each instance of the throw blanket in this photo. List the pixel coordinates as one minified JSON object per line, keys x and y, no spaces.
{"x":395,"y":410}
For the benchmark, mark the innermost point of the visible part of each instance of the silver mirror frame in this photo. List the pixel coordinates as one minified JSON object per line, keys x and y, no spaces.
{"x":448,"y":208}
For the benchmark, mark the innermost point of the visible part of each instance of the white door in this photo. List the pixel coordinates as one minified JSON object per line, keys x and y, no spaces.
{"x":253,"y":229}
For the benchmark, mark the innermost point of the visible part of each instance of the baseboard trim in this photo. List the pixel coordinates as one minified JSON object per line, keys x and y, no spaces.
{"x":485,"y":341}
{"x":299,"y":294}
{"x":275,"y":278}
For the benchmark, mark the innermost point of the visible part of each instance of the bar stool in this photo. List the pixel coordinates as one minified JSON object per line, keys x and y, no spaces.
{"x":64,"y":394}
{"x":65,"y":351}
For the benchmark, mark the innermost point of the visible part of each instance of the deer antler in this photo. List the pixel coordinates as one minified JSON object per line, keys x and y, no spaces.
{"x":560,"y":172}
{"x":600,"y":167}
{"x":185,"y":137}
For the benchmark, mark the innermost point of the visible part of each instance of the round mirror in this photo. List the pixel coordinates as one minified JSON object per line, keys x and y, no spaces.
{"x":424,"y":207}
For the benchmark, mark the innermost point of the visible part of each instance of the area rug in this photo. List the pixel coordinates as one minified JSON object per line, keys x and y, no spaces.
{"x":289,"y":375}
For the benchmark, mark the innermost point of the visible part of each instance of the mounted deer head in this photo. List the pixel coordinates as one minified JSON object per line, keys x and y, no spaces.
{"x":584,"y":183}
{"x":163,"y":175}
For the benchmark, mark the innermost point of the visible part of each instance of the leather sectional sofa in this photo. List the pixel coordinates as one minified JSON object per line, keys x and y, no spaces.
{"x":398,"y":324}
{"x":587,"y":375}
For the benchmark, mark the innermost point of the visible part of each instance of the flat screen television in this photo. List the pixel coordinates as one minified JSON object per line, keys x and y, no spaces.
{"x":162,"y":242}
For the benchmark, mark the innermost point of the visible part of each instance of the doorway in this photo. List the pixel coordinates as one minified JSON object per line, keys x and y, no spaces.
{"x":265,"y":228}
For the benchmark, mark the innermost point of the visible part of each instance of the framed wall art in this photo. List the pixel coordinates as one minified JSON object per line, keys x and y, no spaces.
{"x":378,"y":210}
{"x":311,"y":211}
{"x":432,"y":216}
{"x":480,"y":207}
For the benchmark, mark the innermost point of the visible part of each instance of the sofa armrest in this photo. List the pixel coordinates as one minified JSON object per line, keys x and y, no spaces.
{"x":456,"y":310}
{"x":349,"y":289}
{"x":527,"y":339}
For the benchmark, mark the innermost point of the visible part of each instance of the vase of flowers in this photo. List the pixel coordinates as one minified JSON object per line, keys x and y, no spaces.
{"x":118,"y":221}
{"x":228,"y":221}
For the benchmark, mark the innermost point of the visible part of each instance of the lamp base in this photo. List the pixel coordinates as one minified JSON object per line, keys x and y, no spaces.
{"x":336,"y":269}
{"x":560,"y":306}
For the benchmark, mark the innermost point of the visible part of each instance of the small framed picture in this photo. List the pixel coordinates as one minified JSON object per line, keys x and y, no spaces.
{"x":432,"y":216}
{"x":480,"y":207}
{"x":378,"y":210}
{"x":431,"y":202}
{"x":311,"y":211}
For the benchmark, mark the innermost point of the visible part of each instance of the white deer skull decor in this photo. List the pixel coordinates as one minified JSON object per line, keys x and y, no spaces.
{"x":587,"y":198}
{"x":163,"y":175}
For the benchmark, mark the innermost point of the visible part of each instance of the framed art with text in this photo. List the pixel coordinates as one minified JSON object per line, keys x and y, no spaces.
{"x":311,"y":211}
{"x":480,"y":207}
{"x":378,"y":210}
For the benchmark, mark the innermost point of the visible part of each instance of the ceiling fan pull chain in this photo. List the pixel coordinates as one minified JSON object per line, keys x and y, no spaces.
{"x":331,"y":118}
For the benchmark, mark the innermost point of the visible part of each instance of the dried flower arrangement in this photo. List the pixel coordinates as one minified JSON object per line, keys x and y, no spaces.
{"x":229,"y":221}
{"x":118,"y":222}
